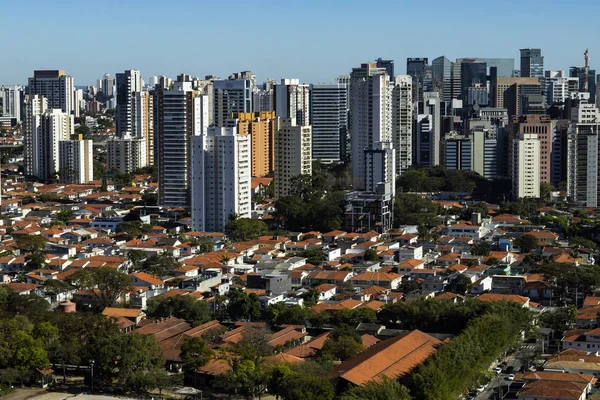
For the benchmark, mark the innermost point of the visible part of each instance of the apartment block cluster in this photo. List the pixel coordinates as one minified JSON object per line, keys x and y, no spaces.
{"x":208,"y":137}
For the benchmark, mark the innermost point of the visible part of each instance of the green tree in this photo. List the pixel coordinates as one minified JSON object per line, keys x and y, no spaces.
{"x":106,"y":283}
{"x":560,"y":319}
{"x":184,"y":307}
{"x":35,"y":261}
{"x":460,"y":285}
{"x":206,"y":245}
{"x":161,"y":265}
{"x":371,"y":255}
{"x":195,"y":352}
{"x":135,"y":362}
{"x":546,"y":190}
{"x":307,"y":387}
{"x":526,"y":243}
{"x":64,"y":215}
{"x":31,"y":243}
{"x":244,"y":378}
{"x":386,"y":389}
{"x":279,"y":314}
{"x":278,"y":377}
{"x":243,"y":305}
{"x":578,"y":241}
{"x":313,"y":256}
{"x":19,"y":349}
{"x":134,"y":228}
{"x":342,"y":348}
{"x":149,"y":199}
{"x":481,"y":248}
{"x":241,"y":229}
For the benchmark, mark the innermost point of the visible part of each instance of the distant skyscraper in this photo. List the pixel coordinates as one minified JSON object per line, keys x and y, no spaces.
{"x":126,"y":155}
{"x":261,"y":127}
{"x":471,"y":73}
{"x":428,"y":131}
{"x":128,"y":83}
{"x":292,"y":100}
{"x":541,"y":125}
{"x":458,"y":152}
{"x":178,"y":118}
{"x":559,"y":87}
{"x":388,"y":65}
{"x":579,"y":72}
{"x":293,"y":154}
{"x":47,"y":130}
{"x":57,"y":87}
{"x":231,"y":96}
{"x":510,"y":93}
{"x":526,"y":165}
{"x":583,"y":151}
{"x":371,"y":115}
{"x":11,"y":98}
{"x":505,"y":67}
{"x":442,"y":77}
{"x":76,"y":161}
{"x":35,"y":106}
{"x":329,"y":120}
{"x":532,"y":63}
{"x":108,"y":85}
{"x":402,"y":122}
{"x":380,"y":168}
{"x":416,"y":67}
{"x":220,"y":178}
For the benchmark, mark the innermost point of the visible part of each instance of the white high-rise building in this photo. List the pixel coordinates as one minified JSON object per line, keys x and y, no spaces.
{"x":583,"y":148}
{"x":526,"y":165}
{"x":559,"y":86}
{"x":292,"y":100}
{"x":142,"y":122}
{"x":371,"y":115}
{"x":10,"y":102}
{"x":76,"y":161}
{"x":293,"y":154}
{"x":402,"y":122}
{"x":54,"y":126}
{"x":35,"y":106}
{"x":126,"y":155}
{"x":329,"y":120}
{"x":55,"y":86}
{"x":108,"y":85}
{"x":220,"y":170}
{"x":179,"y":116}
{"x":128,"y":83}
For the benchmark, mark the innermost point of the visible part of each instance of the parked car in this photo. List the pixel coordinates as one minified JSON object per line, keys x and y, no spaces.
{"x":497,"y":370}
{"x":511,"y":377}
{"x":480,"y":389}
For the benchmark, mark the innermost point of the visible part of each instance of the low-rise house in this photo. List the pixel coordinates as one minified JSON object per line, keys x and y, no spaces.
{"x":385,"y":280}
{"x":326,"y":291}
{"x":334,"y":277}
{"x":575,"y":362}
{"x":392,"y":358}
{"x":552,"y":390}
{"x":135,"y":315}
{"x":410,"y":252}
{"x":493,"y":297}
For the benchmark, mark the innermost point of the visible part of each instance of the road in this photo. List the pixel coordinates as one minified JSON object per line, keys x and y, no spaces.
{"x":499,"y":386}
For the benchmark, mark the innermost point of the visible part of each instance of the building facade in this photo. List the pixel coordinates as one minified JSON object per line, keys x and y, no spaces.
{"x":178,"y":114}
{"x":402,"y":122}
{"x":293,"y":154}
{"x":128,"y":84}
{"x":329,"y":120}
{"x":532,"y":63}
{"x":57,"y":87}
{"x":526,"y":165}
{"x":261,"y":127}
{"x":76,"y":161}
{"x":291,"y":99}
{"x":231,"y":96}
{"x":371,"y":116}
{"x":220,"y":170}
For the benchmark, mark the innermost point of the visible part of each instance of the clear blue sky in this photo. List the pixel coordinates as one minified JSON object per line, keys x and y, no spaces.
{"x":314,"y":40}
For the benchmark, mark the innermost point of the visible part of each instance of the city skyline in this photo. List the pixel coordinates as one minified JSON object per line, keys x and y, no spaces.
{"x":330,"y":34}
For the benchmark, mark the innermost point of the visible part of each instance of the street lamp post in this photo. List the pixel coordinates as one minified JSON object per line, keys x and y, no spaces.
{"x":92,"y":369}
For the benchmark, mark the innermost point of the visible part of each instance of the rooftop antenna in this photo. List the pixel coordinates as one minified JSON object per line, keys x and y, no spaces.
{"x":586,"y":71}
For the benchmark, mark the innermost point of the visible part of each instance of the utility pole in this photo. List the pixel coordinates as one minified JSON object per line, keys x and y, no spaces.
{"x":92,"y":369}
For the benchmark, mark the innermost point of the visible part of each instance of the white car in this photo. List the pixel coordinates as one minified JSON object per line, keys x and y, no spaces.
{"x":497,"y":370}
{"x":511,"y":377}
{"x":480,"y":389}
